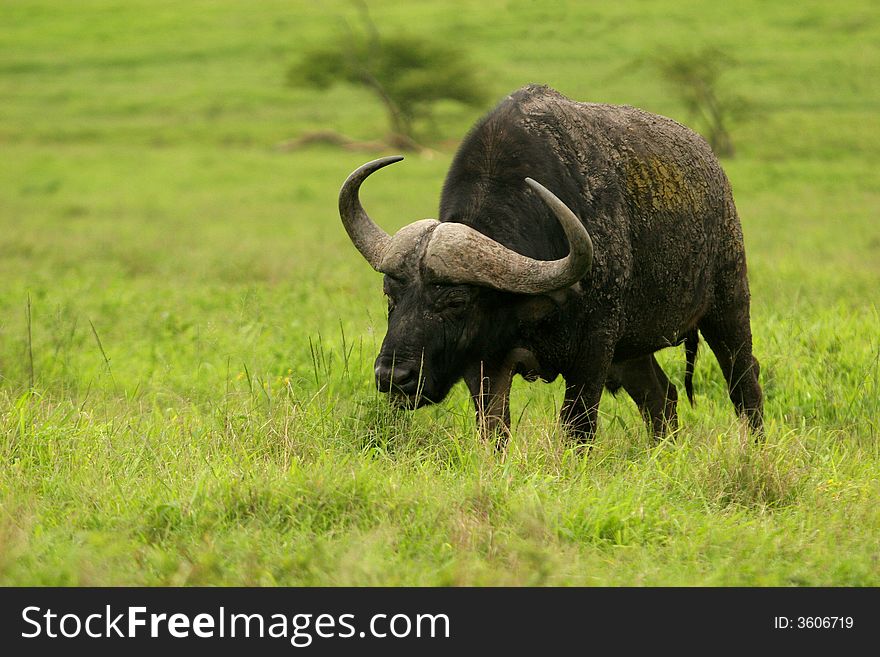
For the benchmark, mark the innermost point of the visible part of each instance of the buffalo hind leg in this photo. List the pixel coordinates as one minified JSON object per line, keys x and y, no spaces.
{"x":731,"y":342}
{"x":652,"y":391}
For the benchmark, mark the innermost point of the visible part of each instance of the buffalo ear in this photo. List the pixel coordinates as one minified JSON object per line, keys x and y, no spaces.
{"x":533,"y":309}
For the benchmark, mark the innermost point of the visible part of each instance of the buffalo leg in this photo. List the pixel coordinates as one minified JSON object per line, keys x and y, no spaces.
{"x":583,"y":390}
{"x":651,"y":390}
{"x":490,"y":391}
{"x":580,"y":411}
{"x":730,"y":338}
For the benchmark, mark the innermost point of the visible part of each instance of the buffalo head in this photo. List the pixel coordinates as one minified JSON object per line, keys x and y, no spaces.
{"x":453,"y":293}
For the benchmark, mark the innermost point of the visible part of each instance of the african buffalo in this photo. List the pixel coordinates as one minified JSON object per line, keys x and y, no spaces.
{"x":574,"y":239}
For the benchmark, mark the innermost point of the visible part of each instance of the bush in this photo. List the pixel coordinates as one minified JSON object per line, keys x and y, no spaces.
{"x":695,"y":78}
{"x":407,"y":74}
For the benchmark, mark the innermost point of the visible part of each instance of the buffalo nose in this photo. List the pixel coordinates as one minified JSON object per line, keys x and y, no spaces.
{"x":401,"y":376}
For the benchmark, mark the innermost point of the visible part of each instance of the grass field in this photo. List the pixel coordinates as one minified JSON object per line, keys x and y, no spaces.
{"x":187,"y":336}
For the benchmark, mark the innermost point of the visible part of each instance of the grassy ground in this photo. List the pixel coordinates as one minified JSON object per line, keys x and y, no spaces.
{"x":186,"y":335}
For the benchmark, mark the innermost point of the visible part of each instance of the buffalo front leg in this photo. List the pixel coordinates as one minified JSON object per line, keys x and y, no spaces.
{"x":490,"y":392}
{"x":489,"y":385}
{"x":583,"y":390}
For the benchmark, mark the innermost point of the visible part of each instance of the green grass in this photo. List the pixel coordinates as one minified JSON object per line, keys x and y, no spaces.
{"x":202,"y":332}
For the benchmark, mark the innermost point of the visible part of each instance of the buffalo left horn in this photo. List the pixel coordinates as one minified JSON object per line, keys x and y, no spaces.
{"x":367,"y":237}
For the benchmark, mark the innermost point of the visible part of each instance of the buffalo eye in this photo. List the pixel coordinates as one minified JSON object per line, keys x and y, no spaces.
{"x":449,"y":299}
{"x":454,"y":303}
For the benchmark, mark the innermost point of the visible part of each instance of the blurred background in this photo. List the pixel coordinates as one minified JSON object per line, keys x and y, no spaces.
{"x":187,"y":335}
{"x":168,"y":168}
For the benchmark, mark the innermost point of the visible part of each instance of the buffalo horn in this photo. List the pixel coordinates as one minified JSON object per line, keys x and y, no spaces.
{"x":367,"y":237}
{"x":459,"y":254}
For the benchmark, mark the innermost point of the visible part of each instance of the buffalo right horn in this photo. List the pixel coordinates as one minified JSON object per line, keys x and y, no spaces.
{"x":367,"y":237}
{"x":459,"y":254}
